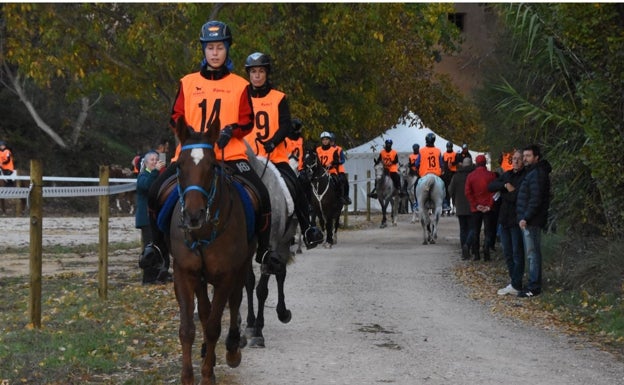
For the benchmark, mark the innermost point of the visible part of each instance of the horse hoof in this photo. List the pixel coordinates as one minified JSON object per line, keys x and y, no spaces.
{"x":256,"y":342}
{"x":285,"y":317}
{"x":243,"y":342}
{"x":394,"y":224}
{"x":382,"y":226}
{"x":327,"y":245}
{"x":299,"y":251}
{"x":233,"y":359}
{"x":425,"y":243}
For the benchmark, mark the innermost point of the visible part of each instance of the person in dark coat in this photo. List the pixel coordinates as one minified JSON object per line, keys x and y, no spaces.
{"x":511,"y":236}
{"x":462,"y":206}
{"x":532,"y":209}
{"x":150,"y":169}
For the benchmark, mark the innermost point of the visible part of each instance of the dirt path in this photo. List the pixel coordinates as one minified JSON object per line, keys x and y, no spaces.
{"x":378,"y":308}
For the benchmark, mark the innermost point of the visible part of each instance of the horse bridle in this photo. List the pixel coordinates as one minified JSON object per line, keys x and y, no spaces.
{"x":208,"y":194}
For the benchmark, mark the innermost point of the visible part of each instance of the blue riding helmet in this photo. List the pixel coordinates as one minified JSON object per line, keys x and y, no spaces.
{"x":430,"y":139}
{"x":388,"y":142}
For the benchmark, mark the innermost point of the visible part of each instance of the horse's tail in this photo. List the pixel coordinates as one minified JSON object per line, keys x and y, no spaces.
{"x":429,"y":183}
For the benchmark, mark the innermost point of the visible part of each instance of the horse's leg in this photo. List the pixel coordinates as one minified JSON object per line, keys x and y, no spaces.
{"x":336,"y":225}
{"x":283,"y":314}
{"x":250,"y":284}
{"x":394,"y":210}
{"x":184,"y":288}
{"x":213,"y":330}
{"x":384,"y":206}
{"x":424,"y":223}
{"x":233,"y":340}
{"x":262,"y":292}
{"x":203,"y":310}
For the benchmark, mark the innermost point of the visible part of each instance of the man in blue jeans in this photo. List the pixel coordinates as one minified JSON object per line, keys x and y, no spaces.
{"x":532,"y":210}
{"x":510,"y":234}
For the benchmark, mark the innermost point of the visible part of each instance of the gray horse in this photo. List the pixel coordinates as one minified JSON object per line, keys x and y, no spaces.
{"x":283,"y":229}
{"x":387,"y":194}
{"x":430,"y":193}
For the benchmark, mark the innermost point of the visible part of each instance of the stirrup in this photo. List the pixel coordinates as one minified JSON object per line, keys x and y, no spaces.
{"x":149,"y":255}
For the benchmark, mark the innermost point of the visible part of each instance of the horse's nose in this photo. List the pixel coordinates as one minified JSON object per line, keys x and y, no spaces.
{"x":194,"y":220}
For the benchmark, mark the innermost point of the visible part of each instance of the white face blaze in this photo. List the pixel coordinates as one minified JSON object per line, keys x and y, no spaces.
{"x":197,"y":154}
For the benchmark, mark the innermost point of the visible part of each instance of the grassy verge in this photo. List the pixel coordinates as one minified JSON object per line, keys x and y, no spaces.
{"x":582,"y":291}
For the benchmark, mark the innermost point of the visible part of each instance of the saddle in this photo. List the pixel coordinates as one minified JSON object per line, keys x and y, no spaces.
{"x":168,"y":196}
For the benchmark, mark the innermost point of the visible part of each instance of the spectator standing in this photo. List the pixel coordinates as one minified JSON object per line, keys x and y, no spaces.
{"x":511,"y":237}
{"x":464,"y":153}
{"x":156,"y":266}
{"x":462,"y":206}
{"x":532,"y":208}
{"x":481,"y":204}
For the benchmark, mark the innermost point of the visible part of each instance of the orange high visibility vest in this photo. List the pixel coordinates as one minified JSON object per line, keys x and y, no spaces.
{"x":206,"y":100}
{"x":430,"y":161}
{"x":506,"y":161}
{"x":449,"y":158}
{"x":6,"y":156}
{"x":266,"y":124}
{"x":387,"y":157}
{"x":295,"y":149}
{"x":327,"y":157}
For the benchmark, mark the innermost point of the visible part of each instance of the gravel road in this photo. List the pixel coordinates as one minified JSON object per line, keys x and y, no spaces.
{"x":380,"y":308}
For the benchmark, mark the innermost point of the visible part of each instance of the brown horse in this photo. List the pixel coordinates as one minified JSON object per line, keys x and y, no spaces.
{"x":208,"y":245}
{"x":124,"y":202}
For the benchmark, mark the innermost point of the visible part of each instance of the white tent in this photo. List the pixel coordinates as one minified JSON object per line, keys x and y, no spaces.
{"x":403,"y":135}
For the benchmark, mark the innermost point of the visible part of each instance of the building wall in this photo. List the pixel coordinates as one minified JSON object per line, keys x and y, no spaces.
{"x":479,"y":34}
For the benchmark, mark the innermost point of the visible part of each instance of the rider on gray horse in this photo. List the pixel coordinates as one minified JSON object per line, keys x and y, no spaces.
{"x":268,"y":140}
{"x":390,"y":160}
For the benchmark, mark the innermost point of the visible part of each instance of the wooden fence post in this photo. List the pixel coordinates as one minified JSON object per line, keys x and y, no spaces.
{"x":346,"y":208}
{"x":355,"y":190}
{"x":36,"y":227}
{"x":368,"y":184}
{"x":103,"y":241}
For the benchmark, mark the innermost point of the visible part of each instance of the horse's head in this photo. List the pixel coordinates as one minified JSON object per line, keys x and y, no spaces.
{"x":380,"y":171}
{"x":196,"y":168}
{"x":312,"y":164}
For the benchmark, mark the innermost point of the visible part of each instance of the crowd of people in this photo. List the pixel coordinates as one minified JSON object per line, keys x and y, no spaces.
{"x":510,"y":204}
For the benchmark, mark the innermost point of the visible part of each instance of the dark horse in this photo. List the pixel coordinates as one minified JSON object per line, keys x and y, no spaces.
{"x":207,"y":240}
{"x":283,"y":228}
{"x":326,"y":204}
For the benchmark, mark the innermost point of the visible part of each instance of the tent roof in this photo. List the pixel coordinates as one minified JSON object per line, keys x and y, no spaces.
{"x":403,"y":136}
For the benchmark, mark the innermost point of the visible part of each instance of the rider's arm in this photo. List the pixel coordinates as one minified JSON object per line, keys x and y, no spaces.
{"x":285,"y":122}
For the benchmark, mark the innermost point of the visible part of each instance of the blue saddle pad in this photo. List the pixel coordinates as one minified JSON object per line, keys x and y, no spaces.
{"x":248,"y":207}
{"x":164,"y":216}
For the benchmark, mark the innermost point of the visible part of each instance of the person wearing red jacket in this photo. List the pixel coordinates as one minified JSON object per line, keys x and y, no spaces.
{"x":481,"y":204}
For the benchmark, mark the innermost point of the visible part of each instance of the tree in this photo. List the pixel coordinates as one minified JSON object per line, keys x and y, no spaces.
{"x":562,"y":86}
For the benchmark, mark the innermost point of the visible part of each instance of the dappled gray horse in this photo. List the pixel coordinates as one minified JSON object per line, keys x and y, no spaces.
{"x":387,"y":194}
{"x":410,"y":180}
{"x":430,"y":193}
{"x":283,"y":228}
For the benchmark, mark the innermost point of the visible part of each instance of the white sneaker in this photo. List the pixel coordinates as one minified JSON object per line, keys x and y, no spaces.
{"x":508,"y":290}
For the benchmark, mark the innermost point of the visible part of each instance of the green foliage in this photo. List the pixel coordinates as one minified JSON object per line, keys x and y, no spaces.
{"x":559,"y":83}
{"x":350,"y":68}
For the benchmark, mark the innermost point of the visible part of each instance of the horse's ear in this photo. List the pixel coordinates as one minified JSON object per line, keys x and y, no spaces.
{"x":214,"y":130}
{"x":183,"y":131}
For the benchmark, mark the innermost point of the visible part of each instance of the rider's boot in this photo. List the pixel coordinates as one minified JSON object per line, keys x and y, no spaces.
{"x":373,"y":194}
{"x":269,"y":260}
{"x":312,"y":237}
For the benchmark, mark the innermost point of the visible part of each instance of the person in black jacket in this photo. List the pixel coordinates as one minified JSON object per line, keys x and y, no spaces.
{"x":532,"y":210}
{"x":510,"y":234}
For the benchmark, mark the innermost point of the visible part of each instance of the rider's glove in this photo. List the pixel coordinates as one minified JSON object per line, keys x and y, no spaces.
{"x":224,"y":137}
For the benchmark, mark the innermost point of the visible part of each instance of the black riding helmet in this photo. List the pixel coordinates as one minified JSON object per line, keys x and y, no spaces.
{"x":430,"y":139}
{"x":215,"y":31}
{"x":449,"y":145}
{"x":415,"y":147}
{"x":258,"y":59}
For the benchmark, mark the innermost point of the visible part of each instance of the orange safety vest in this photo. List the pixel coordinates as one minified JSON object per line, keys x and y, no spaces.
{"x":206,"y":100}
{"x":430,"y":161}
{"x":6,"y":160}
{"x":295,"y":149}
{"x":341,"y":168}
{"x":449,"y":158}
{"x":327,"y":157}
{"x":507,"y":161}
{"x":387,"y":157}
{"x":412,"y":162}
{"x":266,"y":124}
